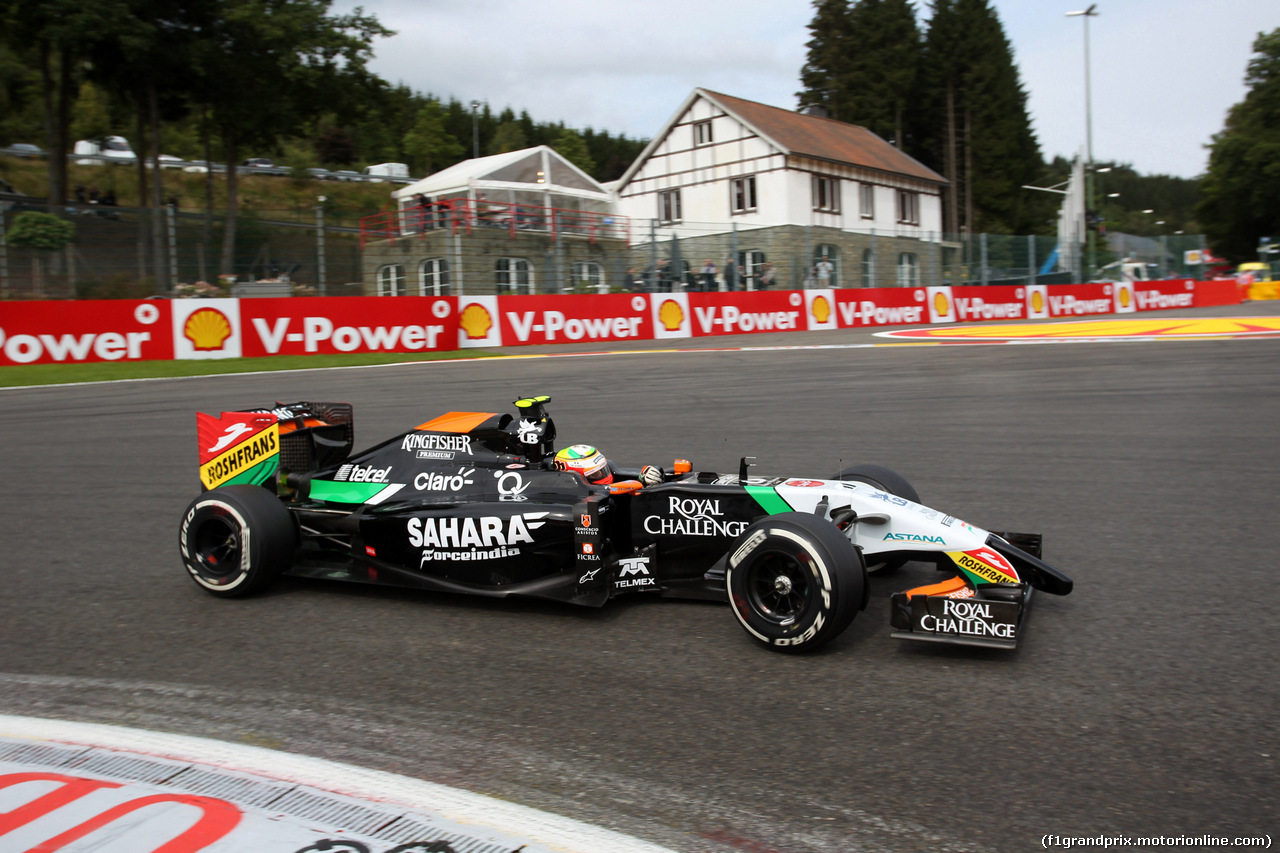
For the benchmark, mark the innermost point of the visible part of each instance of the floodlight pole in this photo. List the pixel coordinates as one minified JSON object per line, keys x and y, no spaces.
{"x":1091,"y":12}
{"x":475,"y":130}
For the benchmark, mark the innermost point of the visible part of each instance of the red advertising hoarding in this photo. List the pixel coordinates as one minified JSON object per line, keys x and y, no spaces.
{"x":880,"y":306}
{"x":747,"y":312}
{"x":85,"y":331}
{"x":345,"y":324}
{"x":574,"y":318}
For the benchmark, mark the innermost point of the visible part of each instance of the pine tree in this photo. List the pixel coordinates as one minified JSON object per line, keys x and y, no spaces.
{"x":881,"y":59}
{"x":827,"y":59}
{"x":972,"y":124}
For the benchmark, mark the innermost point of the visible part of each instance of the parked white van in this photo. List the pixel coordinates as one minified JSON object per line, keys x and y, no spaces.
{"x":387,"y":170}
{"x":109,"y":148}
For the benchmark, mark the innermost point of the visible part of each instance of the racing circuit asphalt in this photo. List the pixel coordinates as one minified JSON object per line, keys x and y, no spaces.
{"x":1143,"y":704}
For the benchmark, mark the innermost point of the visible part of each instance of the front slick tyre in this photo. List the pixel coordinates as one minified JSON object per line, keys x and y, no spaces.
{"x":794,"y":581}
{"x":236,"y":540}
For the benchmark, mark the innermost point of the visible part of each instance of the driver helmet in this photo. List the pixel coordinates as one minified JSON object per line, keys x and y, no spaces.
{"x":585,"y":460}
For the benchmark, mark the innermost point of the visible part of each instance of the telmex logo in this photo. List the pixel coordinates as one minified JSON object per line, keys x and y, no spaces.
{"x":207,"y":329}
{"x":475,"y":321}
{"x":671,"y":315}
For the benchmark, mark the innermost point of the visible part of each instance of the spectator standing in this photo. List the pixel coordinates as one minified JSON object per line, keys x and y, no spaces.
{"x":708,"y":275}
{"x":764,"y":280}
{"x":730,"y":275}
{"x":824,"y":269}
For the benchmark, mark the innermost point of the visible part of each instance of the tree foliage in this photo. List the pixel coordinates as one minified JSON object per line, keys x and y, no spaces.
{"x":952,"y":99}
{"x":34,"y":230}
{"x":1240,"y":202}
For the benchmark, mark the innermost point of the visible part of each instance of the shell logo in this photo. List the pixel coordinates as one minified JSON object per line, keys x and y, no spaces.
{"x":475,"y":321}
{"x":941,"y":306}
{"x":207,"y":329}
{"x":671,"y":315}
{"x":1124,"y":297}
{"x":1037,"y":302}
{"x":821,"y":309}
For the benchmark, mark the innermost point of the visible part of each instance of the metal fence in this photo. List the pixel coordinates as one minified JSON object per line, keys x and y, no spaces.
{"x":121,"y":252}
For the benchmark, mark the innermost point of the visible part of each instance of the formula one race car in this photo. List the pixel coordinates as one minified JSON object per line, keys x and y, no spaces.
{"x":480,"y":503}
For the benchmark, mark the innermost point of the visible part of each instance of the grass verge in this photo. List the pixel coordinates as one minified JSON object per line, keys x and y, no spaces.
{"x":63,"y":374}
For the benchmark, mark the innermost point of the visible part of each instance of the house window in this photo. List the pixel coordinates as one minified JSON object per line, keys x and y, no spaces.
{"x":742,"y":194}
{"x":908,"y":270}
{"x":867,"y":201}
{"x":512,"y":275}
{"x":391,"y":280}
{"x":826,"y":194}
{"x":751,"y":264}
{"x":588,"y":276}
{"x":433,"y":277}
{"x":669,"y":206}
{"x":702,"y":133}
{"x":826,"y":266}
{"x":908,"y":208}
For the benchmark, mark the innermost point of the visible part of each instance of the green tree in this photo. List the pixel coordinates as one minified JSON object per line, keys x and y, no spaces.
{"x":1240,"y":195}
{"x":42,"y":231}
{"x":570,"y":145}
{"x":827,"y":60}
{"x":428,"y":145}
{"x":972,"y":124}
{"x":508,"y":137}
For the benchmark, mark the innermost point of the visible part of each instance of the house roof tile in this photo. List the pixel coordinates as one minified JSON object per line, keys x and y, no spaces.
{"x":825,"y":139}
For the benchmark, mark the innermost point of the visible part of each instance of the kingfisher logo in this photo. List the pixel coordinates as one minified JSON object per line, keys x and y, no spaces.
{"x":207,"y":329}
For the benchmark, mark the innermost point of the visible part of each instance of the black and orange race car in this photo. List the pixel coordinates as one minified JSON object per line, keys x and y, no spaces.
{"x":473,"y":502}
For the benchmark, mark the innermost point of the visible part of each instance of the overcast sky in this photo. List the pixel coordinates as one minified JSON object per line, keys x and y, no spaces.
{"x":1164,"y":71}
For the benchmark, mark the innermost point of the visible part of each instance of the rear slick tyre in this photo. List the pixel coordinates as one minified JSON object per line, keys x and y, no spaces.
{"x":236,"y":540}
{"x":794,"y":581}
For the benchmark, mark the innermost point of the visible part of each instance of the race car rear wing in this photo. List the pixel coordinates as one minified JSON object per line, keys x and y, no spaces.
{"x":253,"y":445}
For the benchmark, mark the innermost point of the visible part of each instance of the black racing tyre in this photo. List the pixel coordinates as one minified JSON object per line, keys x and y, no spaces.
{"x":236,"y":540}
{"x":794,"y":581}
{"x":886,"y":480}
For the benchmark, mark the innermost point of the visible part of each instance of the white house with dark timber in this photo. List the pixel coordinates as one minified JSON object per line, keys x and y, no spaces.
{"x":777,"y":178}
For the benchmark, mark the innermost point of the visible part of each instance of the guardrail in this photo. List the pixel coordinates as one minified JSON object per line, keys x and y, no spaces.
{"x":217,"y":168}
{"x":466,"y":216}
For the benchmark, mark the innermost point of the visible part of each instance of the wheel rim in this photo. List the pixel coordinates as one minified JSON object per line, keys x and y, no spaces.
{"x":779,"y":587}
{"x":218,"y":549}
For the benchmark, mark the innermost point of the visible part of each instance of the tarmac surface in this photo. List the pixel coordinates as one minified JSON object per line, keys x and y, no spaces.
{"x":1143,"y":704}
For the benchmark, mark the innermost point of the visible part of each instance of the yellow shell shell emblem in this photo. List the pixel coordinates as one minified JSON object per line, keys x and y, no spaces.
{"x":940,"y":304}
{"x":821,"y":309}
{"x":1124,"y":297}
{"x":475,"y":321}
{"x":671,"y":315}
{"x":207,"y":329}
{"x":1037,"y":302}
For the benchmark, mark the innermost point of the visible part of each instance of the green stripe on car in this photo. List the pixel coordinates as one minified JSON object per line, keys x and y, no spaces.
{"x":769,"y":499}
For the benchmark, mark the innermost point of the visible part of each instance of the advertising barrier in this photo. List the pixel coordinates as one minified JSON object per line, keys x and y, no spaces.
{"x":54,"y":332}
